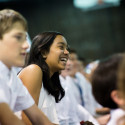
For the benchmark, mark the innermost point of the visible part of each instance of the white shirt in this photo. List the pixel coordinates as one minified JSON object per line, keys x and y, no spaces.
{"x":85,"y":115}
{"x":47,"y":105}
{"x":115,"y":115}
{"x":12,"y":91}
{"x":89,"y":101}
{"x":76,"y":113}
{"x":66,"y":108}
{"x":62,"y":107}
{"x":72,"y":85}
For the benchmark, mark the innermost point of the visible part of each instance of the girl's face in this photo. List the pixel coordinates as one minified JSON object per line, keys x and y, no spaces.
{"x":58,"y":54}
{"x":13,"y":46}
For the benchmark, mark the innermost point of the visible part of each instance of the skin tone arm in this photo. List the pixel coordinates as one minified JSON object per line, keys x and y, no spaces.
{"x":7,"y":117}
{"x":33,"y":82}
{"x":31,"y":77}
{"x":103,"y":120}
{"x":36,"y":116}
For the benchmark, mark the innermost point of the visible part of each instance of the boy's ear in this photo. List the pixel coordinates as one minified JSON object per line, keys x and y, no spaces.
{"x":116,"y":97}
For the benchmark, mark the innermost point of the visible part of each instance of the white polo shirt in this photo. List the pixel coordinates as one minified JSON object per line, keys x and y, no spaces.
{"x":115,"y":115}
{"x":12,"y":91}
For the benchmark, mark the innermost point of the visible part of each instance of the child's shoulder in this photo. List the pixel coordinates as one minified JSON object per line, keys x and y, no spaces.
{"x":32,"y":69}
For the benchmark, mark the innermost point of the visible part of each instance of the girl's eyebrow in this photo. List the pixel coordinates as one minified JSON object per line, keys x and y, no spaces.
{"x":61,"y":43}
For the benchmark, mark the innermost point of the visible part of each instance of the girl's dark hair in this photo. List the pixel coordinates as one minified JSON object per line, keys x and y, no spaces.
{"x":41,"y":44}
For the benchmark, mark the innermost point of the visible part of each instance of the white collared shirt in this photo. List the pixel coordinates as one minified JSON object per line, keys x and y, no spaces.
{"x":12,"y":91}
{"x":66,"y":108}
{"x":89,"y":101}
{"x":115,"y":115}
{"x":70,"y":107}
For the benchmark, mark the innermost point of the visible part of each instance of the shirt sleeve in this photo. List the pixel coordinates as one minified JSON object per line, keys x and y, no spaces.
{"x":24,"y":99}
{"x":4,"y":94}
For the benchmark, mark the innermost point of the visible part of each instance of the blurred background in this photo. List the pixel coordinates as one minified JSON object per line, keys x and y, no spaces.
{"x":94,"y":28}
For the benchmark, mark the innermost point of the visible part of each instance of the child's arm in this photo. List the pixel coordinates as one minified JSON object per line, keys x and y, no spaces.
{"x":7,"y":117}
{"x":36,"y":116}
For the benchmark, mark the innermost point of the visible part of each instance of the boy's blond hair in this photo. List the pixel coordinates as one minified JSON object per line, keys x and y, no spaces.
{"x":7,"y":18}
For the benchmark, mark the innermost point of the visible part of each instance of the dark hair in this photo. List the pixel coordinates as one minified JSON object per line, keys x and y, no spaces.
{"x":41,"y":44}
{"x":121,"y":77}
{"x":104,"y":80}
{"x":71,"y":50}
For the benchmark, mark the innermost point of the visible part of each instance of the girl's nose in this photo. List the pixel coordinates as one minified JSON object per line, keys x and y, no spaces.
{"x":66,"y":51}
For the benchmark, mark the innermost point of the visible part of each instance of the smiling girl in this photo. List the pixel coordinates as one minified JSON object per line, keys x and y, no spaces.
{"x":48,"y":55}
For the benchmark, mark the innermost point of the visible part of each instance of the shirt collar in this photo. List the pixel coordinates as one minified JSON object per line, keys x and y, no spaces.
{"x":4,"y":70}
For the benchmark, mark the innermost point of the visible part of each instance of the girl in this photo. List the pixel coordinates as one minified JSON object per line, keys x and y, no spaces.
{"x":48,"y":55}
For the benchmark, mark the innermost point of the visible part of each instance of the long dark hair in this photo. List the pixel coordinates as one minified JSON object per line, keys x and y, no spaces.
{"x":41,"y":44}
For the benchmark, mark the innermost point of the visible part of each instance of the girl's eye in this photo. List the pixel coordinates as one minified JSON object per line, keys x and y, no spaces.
{"x":61,"y":47}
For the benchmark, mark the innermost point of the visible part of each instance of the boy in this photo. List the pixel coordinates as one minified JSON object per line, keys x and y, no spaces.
{"x":104,"y":86}
{"x":13,"y":95}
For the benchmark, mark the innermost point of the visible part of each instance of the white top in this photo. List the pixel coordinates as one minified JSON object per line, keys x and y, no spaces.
{"x":89,"y":101}
{"x":47,"y":105}
{"x":74,"y":89}
{"x":69,"y":106}
{"x":63,"y":106}
{"x":82,"y":113}
{"x":12,"y":91}
{"x":115,"y":115}
{"x":85,"y":115}
{"x":66,"y":109}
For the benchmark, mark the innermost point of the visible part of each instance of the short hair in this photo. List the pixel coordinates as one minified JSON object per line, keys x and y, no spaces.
{"x":71,"y":50}
{"x":7,"y":18}
{"x":104,"y":80}
{"x":121,"y":77}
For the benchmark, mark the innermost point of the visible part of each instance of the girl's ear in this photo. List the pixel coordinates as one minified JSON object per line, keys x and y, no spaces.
{"x":44,"y":55}
{"x":117,"y":98}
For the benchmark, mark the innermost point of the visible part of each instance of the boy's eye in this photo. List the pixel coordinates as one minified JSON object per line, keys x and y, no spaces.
{"x":67,"y":48}
{"x":20,"y":38}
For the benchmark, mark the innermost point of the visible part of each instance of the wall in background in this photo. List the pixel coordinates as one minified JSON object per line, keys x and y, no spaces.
{"x":94,"y":34}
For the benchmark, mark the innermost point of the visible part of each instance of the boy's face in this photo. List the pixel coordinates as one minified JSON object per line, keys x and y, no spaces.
{"x":72,"y":65}
{"x":13,"y":46}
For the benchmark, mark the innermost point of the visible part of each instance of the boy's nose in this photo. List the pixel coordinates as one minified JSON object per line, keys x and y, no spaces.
{"x":26,"y":45}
